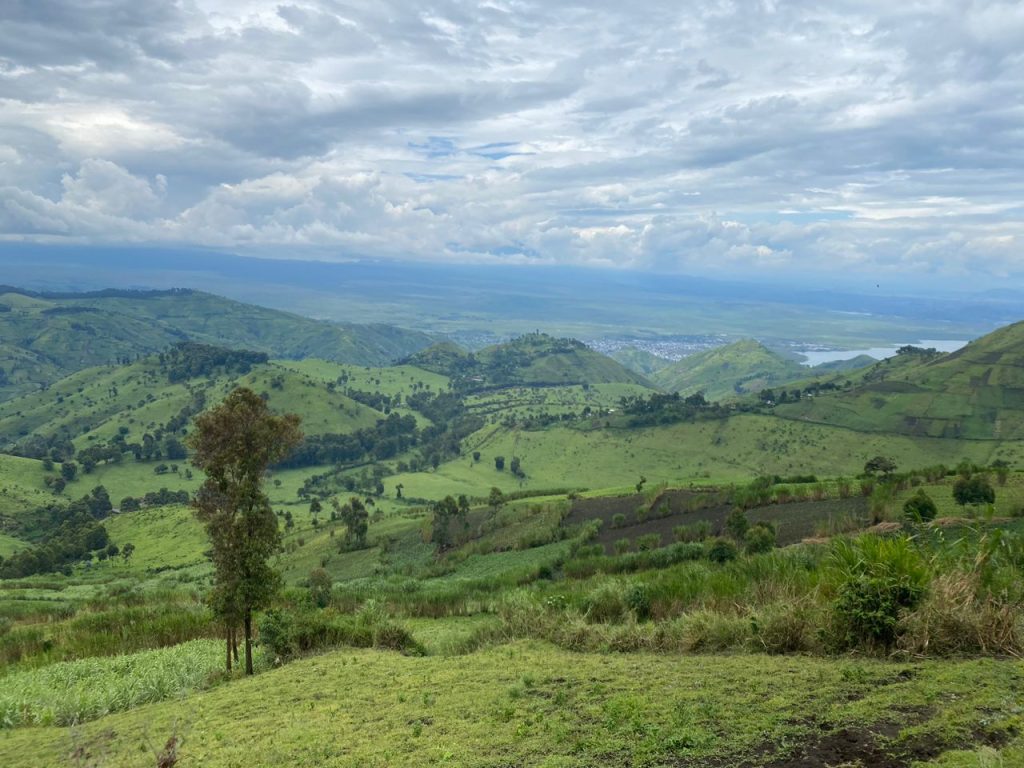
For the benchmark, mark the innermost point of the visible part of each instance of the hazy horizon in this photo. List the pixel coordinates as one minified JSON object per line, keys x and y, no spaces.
{"x":863,"y":143}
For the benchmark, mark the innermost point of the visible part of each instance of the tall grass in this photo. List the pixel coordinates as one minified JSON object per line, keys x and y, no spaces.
{"x":117,"y":630}
{"x":76,"y":691}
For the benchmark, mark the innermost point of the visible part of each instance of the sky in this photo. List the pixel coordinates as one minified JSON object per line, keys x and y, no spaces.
{"x":851,"y":137}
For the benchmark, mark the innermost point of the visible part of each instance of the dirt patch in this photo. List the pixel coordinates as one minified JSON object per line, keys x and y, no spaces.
{"x":873,"y":746}
{"x":795,"y":521}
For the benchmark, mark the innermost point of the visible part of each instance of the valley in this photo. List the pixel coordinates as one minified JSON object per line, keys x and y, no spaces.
{"x":566,"y":559}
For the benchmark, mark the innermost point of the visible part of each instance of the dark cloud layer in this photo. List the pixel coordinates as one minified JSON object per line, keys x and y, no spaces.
{"x":712,"y":136}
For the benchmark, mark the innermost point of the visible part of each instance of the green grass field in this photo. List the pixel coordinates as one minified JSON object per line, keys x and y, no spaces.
{"x":530,"y":704}
{"x":732,"y":450}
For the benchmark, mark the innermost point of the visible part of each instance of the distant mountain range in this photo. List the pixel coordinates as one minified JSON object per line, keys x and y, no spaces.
{"x":46,"y":336}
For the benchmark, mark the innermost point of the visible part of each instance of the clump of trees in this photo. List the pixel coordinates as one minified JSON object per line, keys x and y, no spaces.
{"x":234,"y":444}
{"x":190,"y":359}
{"x":444,"y":513}
{"x":62,"y":534}
{"x":668,"y":409}
{"x":355,"y":518}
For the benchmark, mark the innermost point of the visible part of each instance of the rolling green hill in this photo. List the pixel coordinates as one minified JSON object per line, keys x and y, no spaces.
{"x":737,"y":369}
{"x":47,"y":336}
{"x":97,"y":404}
{"x":535,"y":359}
{"x":975,"y":393}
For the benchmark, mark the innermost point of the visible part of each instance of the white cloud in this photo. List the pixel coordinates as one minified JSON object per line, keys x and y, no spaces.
{"x":698,"y":136}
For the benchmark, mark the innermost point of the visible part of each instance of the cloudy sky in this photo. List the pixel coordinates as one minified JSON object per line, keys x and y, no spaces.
{"x":850,"y":136}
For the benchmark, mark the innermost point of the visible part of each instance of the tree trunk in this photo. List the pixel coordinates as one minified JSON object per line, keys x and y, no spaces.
{"x":234,"y":642}
{"x":248,"y":641}
{"x":227,"y":640}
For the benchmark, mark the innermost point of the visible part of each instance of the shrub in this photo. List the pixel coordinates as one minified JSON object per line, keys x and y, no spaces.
{"x":621,"y":546}
{"x":919,"y":508}
{"x":722,"y":550}
{"x":973,"y":490}
{"x":760,"y":538}
{"x":641,"y":513}
{"x":618,"y":520}
{"x":736,"y":524}
{"x":879,"y":578}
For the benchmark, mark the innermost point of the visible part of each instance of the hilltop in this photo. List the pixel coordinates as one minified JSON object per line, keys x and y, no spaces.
{"x":532,"y":360}
{"x":737,"y":369}
{"x":975,"y":393}
{"x":46,"y":336}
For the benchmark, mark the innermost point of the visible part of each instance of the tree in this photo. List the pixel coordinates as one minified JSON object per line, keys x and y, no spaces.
{"x":444,"y":511}
{"x":516,"y":467}
{"x":499,"y":463}
{"x":973,"y":490}
{"x":919,"y":508}
{"x":476,"y":456}
{"x":315,"y":507}
{"x":880,"y":465}
{"x":127,"y":551}
{"x":234,"y":444}
{"x":354,"y":515}
{"x":495,"y":499}
{"x":320,"y":587}
{"x":398,"y":490}
{"x":68,"y":470}
{"x":640,"y":483}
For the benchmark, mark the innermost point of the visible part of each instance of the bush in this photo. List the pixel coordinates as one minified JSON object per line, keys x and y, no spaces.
{"x":618,"y":520}
{"x":736,"y":524}
{"x":621,"y":546}
{"x":288,"y":634}
{"x":973,"y":490}
{"x":879,"y":579}
{"x":722,"y":550}
{"x":760,"y":538}
{"x":919,"y":508}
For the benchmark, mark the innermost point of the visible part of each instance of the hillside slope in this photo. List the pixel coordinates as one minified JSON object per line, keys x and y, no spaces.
{"x":737,"y":369}
{"x":534,"y":360}
{"x":44,"y":337}
{"x":976,"y":392}
{"x":146,"y":397}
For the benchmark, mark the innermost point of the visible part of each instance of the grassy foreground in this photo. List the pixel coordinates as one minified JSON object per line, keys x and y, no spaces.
{"x":528,"y":704}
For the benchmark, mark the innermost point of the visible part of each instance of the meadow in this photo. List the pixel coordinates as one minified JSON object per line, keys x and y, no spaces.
{"x":530,"y":704}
